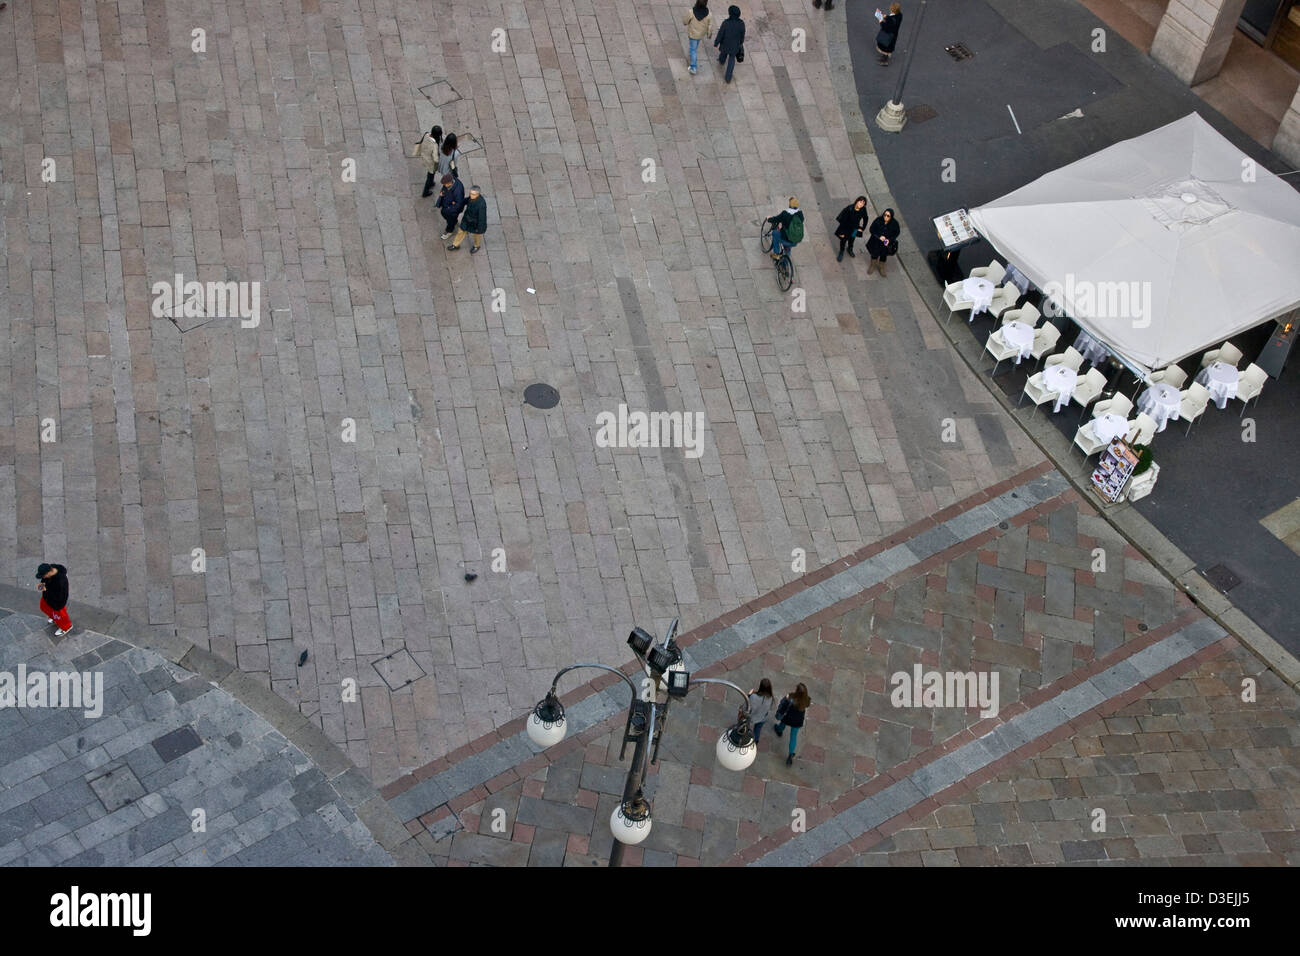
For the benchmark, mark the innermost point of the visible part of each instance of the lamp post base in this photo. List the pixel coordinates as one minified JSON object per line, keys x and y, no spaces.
{"x":892,"y":117}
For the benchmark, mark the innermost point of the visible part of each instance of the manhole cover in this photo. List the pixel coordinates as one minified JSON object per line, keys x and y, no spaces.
{"x":541,"y":396}
{"x":959,"y":51}
{"x":399,"y":669}
{"x":921,"y":113}
{"x":1222,"y":578}
{"x":176,"y":744}
{"x":440,"y":93}
{"x":117,"y":788}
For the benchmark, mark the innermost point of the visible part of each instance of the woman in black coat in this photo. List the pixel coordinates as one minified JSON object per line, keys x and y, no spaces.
{"x":852,"y":221}
{"x":888,"y":35}
{"x":884,"y":240}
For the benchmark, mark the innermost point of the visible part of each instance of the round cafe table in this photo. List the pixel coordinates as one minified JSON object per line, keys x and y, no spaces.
{"x":1059,"y":379}
{"x":1019,"y":335}
{"x":1161,"y":402}
{"x":1108,"y":426}
{"x":1220,"y":379}
{"x":979,"y":291}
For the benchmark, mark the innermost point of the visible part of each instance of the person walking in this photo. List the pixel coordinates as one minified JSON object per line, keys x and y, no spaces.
{"x":760,"y":706}
{"x":451,"y":201}
{"x":448,"y":158}
{"x":787,"y":228}
{"x":852,"y":222}
{"x":53,"y":584}
{"x":790,"y":713}
{"x":427,"y":151}
{"x":699,"y":25}
{"x":830,"y":4}
{"x":730,"y":40}
{"x":884,"y":240}
{"x":474,"y":222}
{"x":888,"y":35}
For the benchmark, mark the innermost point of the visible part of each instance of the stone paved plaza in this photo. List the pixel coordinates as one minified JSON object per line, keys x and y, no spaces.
{"x":229,"y":496}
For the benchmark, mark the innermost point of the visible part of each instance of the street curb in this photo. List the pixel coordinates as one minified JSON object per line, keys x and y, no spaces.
{"x":1137,"y":530}
{"x":353,"y":786}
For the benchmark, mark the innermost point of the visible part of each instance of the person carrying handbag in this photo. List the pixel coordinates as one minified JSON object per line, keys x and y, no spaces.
{"x":790,"y":713}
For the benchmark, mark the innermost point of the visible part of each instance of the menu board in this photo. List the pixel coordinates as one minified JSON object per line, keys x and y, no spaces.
{"x":1114,"y":470}
{"x":955,"y":229}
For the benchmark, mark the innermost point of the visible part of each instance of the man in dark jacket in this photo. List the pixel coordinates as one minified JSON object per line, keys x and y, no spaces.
{"x":730,"y":39}
{"x":474,"y":222}
{"x":53,"y":585}
{"x":781,"y":237}
{"x":451,"y":201}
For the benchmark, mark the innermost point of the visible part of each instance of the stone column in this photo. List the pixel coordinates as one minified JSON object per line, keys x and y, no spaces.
{"x":1193,"y":37}
{"x":1287,"y":142}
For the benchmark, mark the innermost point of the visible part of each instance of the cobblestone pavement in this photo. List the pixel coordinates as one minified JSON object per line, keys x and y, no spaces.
{"x":825,"y":428}
{"x":1089,"y":665}
{"x":126,"y":786}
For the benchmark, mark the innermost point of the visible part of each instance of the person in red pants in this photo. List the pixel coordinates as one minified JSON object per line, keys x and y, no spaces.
{"x":54,"y":597}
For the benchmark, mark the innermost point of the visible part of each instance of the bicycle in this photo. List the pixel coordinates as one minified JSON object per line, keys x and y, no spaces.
{"x":784,"y":266}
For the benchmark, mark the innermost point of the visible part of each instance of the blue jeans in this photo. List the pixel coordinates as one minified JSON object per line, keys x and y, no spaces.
{"x":758,"y":729}
{"x":794,"y":736}
{"x":695,"y":54}
{"x":730,"y":60}
{"x":778,"y":242}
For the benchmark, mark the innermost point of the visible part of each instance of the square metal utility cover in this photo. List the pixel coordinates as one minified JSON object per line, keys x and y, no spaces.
{"x":399,"y":669}
{"x":1221,"y":578}
{"x":117,"y":788}
{"x":440,"y":93}
{"x":178,"y":742}
{"x":921,"y":113}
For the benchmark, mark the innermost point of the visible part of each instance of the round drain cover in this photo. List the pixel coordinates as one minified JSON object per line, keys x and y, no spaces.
{"x":541,"y":396}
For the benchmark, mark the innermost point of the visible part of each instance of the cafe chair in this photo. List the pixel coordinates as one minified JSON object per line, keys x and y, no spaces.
{"x":1250,"y":385}
{"x":1227,"y":352}
{"x":1087,"y":389}
{"x":1004,"y":297}
{"x":1045,"y":338}
{"x":955,"y":299}
{"x":998,"y":347}
{"x":1070,"y":357}
{"x":1119,"y":405}
{"x":1173,"y":375}
{"x":1141,"y":430}
{"x":995,"y":272}
{"x":1027,"y":314}
{"x":1195,"y":399}
{"x":1037,"y":391}
{"x":1087,"y":441}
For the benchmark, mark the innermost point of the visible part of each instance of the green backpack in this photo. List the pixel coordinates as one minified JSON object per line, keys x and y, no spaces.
{"x":794,"y":230}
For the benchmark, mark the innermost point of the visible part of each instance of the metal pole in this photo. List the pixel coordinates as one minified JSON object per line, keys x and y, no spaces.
{"x":633,"y":783}
{"x":911,"y":50}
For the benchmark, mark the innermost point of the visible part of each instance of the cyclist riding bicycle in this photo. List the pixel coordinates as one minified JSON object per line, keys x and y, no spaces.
{"x":787,"y":228}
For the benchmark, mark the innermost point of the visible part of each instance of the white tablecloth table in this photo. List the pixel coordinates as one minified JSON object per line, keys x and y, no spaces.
{"x":1059,"y":379}
{"x":979,"y":291}
{"x":1161,"y":402}
{"x":1019,"y":335}
{"x":1108,"y":426}
{"x":1220,"y":379}
{"x":1092,"y":350}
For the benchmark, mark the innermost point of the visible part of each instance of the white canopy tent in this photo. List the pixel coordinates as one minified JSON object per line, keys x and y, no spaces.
{"x":1160,"y":246}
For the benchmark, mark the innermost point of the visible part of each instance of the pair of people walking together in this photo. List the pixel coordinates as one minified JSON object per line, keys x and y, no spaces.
{"x":729,"y":41}
{"x":790,"y":713}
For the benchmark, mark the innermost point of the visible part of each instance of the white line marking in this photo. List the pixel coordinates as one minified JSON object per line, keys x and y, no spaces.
{"x":1013,"y":119}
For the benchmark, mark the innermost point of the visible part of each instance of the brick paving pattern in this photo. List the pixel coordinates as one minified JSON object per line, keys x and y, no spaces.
{"x":1189,"y":775}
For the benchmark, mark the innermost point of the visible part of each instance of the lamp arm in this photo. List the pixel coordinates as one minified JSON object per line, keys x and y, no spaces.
{"x":604,"y":667}
{"x":726,"y":683}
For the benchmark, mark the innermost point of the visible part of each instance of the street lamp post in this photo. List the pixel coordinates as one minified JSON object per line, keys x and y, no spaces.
{"x":892,"y":117}
{"x":646,"y":718}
